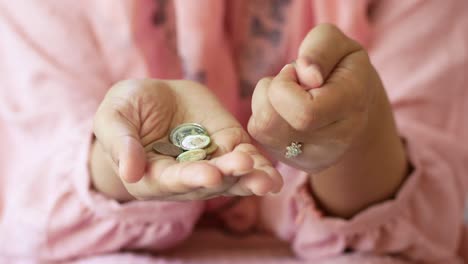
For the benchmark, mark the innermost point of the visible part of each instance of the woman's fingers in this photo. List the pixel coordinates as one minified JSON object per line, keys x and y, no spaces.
{"x":321,"y":50}
{"x":283,"y":111}
{"x":261,"y":163}
{"x":266,"y":125}
{"x":261,"y":180}
{"x":309,"y":110}
{"x":136,"y":113}
{"x":295,"y":105}
{"x":298,"y":107}
{"x":235,"y":163}
{"x":166,"y":177}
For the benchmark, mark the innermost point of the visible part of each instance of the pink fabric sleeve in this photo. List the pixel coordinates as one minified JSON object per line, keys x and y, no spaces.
{"x":53,"y":74}
{"x":420,"y":49}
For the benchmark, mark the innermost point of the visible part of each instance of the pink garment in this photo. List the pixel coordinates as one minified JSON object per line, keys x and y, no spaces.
{"x":58,"y":58}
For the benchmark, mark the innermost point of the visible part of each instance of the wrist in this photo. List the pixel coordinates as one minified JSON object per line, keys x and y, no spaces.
{"x":371,"y":171}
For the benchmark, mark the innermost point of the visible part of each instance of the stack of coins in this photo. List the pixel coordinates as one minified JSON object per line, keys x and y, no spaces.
{"x":190,"y":142}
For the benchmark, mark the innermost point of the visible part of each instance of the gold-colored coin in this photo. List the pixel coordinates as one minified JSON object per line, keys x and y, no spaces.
{"x":167,"y":149}
{"x":192,"y":155}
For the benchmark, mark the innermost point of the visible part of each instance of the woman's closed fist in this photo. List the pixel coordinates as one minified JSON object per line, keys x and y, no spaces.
{"x":327,"y":101}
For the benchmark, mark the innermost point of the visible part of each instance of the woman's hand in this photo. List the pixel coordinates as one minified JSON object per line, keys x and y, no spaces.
{"x":137,"y":113}
{"x":333,"y":103}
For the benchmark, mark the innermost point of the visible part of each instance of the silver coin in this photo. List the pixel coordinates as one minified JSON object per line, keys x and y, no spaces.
{"x":211,"y":148}
{"x":167,"y":149}
{"x":181,"y":131}
{"x":195,"y":142}
{"x":192,"y":155}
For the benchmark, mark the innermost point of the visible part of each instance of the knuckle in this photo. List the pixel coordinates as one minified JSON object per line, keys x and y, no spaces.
{"x":264,"y":82}
{"x":261,"y":123}
{"x":338,"y":37}
{"x":260,"y":89}
{"x":301,"y":122}
{"x":362,"y":58}
{"x":317,"y":56}
{"x":274,"y":83}
{"x":329,"y":26}
{"x":255,"y":128}
{"x":277,"y":91}
{"x":332,"y":28}
{"x":304,"y":119}
{"x":258,"y":98}
{"x":258,"y":131}
{"x":329,"y":31}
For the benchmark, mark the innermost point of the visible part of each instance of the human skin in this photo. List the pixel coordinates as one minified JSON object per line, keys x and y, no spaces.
{"x":136,"y":113}
{"x":333,"y":102}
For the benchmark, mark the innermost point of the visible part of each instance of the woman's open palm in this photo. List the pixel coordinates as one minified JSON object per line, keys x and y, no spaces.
{"x":136,"y":113}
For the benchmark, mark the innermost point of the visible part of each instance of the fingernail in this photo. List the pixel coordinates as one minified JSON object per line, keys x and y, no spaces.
{"x":316,"y":77}
{"x":309,"y":74}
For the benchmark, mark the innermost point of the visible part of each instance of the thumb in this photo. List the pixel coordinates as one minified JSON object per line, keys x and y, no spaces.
{"x":322,"y":49}
{"x":295,"y":105}
{"x":308,"y":74}
{"x":120,"y":139}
